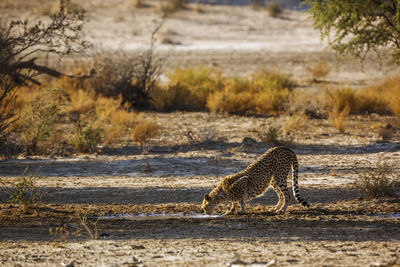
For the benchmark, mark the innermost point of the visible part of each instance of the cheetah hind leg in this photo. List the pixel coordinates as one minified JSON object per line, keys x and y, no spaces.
{"x":279,"y":192}
{"x":285,"y":198}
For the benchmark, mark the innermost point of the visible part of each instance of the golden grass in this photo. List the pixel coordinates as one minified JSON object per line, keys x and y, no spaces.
{"x":144,"y":131}
{"x":293,"y":122}
{"x":337,"y":117}
{"x":262,"y":93}
{"x":188,"y":89}
{"x":88,"y":119}
{"x":318,"y":70}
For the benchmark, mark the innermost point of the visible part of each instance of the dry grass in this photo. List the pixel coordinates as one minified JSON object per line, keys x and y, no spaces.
{"x":188,"y":89}
{"x":318,"y":70}
{"x":379,"y":182}
{"x":262,"y":93}
{"x":294,"y":122}
{"x":390,"y":91}
{"x":81,"y":118}
{"x":144,"y":131}
{"x":37,"y":111}
{"x":337,"y":117}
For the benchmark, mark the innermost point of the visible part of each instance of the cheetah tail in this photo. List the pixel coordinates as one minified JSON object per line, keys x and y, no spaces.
{"x":295,"y":184}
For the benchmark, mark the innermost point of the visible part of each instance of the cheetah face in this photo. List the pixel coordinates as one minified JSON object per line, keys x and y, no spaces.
{"x":208,"y":204}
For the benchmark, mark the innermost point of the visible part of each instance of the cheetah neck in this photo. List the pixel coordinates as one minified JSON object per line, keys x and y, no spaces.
{"x":218,"y":194}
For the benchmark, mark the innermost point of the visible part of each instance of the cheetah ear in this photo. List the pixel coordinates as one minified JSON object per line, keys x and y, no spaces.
{"x":207,"y":197}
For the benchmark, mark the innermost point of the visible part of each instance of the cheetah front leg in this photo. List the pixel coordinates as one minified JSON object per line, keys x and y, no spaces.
{"x":239,"y":189}
{"x":232,"y":210}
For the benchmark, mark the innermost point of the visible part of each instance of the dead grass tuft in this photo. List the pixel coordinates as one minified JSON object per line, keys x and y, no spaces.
{"x":318,"y":70}
{"x":379,"y":182}
{"x":337,"y":117}
{"x":294,"y":122}
{"x":144,"y":131}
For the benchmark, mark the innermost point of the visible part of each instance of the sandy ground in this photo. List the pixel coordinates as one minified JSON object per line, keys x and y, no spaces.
{"x":147,"y":205}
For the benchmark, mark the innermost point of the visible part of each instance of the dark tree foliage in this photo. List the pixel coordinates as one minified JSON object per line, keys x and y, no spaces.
{"x":21,"y":42}
{"x":354,"y":28}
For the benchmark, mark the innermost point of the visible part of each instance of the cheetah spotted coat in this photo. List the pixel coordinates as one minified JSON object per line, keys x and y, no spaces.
{"x":272,"y":168}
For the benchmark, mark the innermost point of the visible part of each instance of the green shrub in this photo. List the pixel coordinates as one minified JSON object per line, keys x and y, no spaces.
{"x":85,"y":139}
{"x":379,"y":182}
{"x":37,"y":118}
{"x":25,"y":192}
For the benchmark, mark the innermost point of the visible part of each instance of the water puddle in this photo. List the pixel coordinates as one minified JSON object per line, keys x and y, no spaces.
{"x":157,"y":216}
{"x":388,"y":215}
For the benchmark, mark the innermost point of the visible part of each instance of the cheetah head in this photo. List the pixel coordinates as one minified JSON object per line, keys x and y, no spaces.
{"x":209,"y":204}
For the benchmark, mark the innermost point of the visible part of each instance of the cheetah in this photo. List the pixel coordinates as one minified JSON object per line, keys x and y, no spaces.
{"x":272,"y":168}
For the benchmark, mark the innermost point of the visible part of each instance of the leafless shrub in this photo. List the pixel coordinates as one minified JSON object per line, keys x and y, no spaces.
{"x":130,"y":75}
{"x":270,"y":135}
{"x":294,"y":122}
{"x":379,"y":182}
{"x":87,"y":228}
{"x":204,"y":136}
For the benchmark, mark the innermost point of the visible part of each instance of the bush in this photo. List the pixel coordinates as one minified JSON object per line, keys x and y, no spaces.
{"x":391,"y":94}
{"x":269,"y":135}
{"x":273,"y":8}
{"x":341,"y":98}
{"x":263,"y":93}
{"x":171,"y":6}
{"x":318,"y":71}
{"x":86,"y":138}
{"x":25,"y":192}
{"x":293,"y":122}
{"x":96,"y":119}
{"x":235,"y":98}
{"x":145,"y":130}
{"x":133,"y":76}
{"x":38,"y":115}
{"x":188,"y":89}
{"x":21,"y":44}
{"x":379,"y":182}
{"x":337,"y":117}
